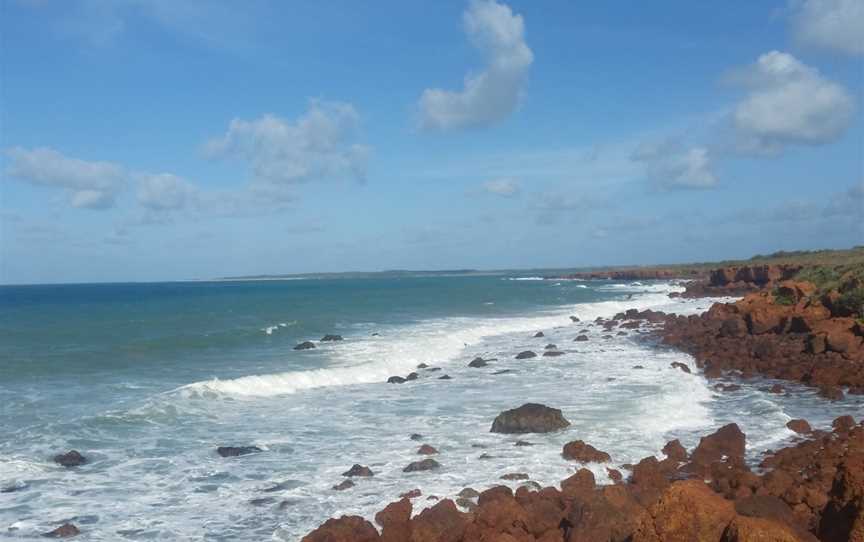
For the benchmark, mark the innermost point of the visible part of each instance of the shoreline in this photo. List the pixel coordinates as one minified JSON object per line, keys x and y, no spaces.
{"x":742,"y":504}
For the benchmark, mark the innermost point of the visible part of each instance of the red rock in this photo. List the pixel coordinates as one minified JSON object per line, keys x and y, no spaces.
{"x":344,"y":529}
{"x":675,"y":451}
{"x":843,"y":423}
{"x":727,"y":441}
{"x":747,"y":529}
{"x":410,"y":494}
{"x":609,"y":515}
{"x":426,"y":450}
{"x":687,"y":511}
{"x":440,"y":523}
{"x":578,"y":450}
{"x":67,"y":530}
{"x":614,"y":475}
{"x":394,"y":520}
{"x":579,"y":484}
{"x":799,"y":426}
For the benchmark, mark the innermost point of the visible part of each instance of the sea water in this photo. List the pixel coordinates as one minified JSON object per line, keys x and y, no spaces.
{"x":147,"y":380}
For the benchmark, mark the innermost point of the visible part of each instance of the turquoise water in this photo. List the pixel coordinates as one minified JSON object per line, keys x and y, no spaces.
{"x":148,"y":379}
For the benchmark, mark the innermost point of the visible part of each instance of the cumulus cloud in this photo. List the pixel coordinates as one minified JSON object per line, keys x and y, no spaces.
{"x":835,"y":25}
{"x":91,"y":185}
{"x":502,"y":187}
{"x":672,"y":165}
{"x":319,"y":144}
{"x":787,"y":103}
{"x":165,"y":191}
{"x":493,"y":93}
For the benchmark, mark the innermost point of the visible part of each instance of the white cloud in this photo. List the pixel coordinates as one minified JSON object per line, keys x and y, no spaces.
{"x":502,"y":187}
{"x":671,"y":165}
{"x":92,"y":185}
{"x":164,"y":191}
{"x":320,"y":144}
{"x":494,"y":93}
{"x":788,"y":103}
{"x":836,"y":25}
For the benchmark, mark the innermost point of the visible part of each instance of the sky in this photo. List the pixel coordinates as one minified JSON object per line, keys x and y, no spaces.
{"x":160,"y":140}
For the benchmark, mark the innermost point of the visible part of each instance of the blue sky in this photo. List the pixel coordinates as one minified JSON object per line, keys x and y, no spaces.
{"x":153,"y":139}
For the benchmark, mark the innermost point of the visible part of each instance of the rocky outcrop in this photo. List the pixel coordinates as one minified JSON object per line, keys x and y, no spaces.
{"x":529,"y":418}
{"x":72,"y":458}
{"x":67,"y":530}
{"x":584,"y":453}
{"x":306,"y":345}
{"x":235,"y":451}
{"x":425,"y":464}
{"x":344,"y":529}
{"x":645,"y":273}
{"x":813,"y":489}
{"x":358,"y":470}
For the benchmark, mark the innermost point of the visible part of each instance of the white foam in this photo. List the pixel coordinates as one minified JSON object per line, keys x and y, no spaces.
{"x":433,"y":342}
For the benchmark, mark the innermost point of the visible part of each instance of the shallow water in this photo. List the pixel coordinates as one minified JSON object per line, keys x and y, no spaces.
{"x":147,"y":383}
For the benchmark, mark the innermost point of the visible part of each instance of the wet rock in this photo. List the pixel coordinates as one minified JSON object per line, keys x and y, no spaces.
{"x":578,"y":450}
{"x":467,"y":504}
{"x":581,"y":338}
{"x":433,"y":369}
{"x":469,"y":493}
{"x":682,"y":366}
{"x":832,"y":393}
{"x":777,"y":388}
{"x":414,"y":493}
{"x":72,"y":458}
{"x":529,"y":418}
{"x":262,"y":501}
{"x":235,"y":451}
{"x":614,"y":475}
{"x":523,"y":443}
{"x":515,"y":476}
{"x":422,"y":366}
{"x":539,"y":334}
{"x":550,"y":346}
{"x":426,"y":450}
{"x":416,"y":436}
{"x":727,"y":387}
{"x":306,"y":345}
{"x":553,"y":353}
{"x":799,"y":426}
{"x":359,"y":470}
{"x":675,"y":451}
{"x":412,"y":376}
{"x":574,"y":319}
{"x":343,"y":485}
{"x":344,"y":529}
{"x":67,"y":530}
{"x":527,"y":354}
{"x":477,"y":362}
{"x":502,"y":372}
{"x":638,"y":367}
{"x":395,"y":380}
{"x":843,"y":423}
{"x":331,"y":338}
{"x":423,"y":465}
{"x":445,"y":377}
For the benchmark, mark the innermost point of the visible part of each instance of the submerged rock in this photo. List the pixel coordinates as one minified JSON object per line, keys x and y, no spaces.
{"x":553,"y":353}
{"x":581,"y":338}
{"x":445,"y":377}
{"x":427,"y":450}
{"x":477,"y":362}
{"x":72,"y":458}
{"x":425,"y":464}
{"x":343,"y":485}
{"x":359,"y":470}
{"x":67,"y":530}
{"x":539,"y":334}
{"x":395,"y":380}
{"x":331,"y":338}
{"x":526,"y":355}
{"x":306,"y":345}
{"x":679,"y":365}
{"x":412,"y":376}
{"x":235,"y":451}
{"x":529,"y":418}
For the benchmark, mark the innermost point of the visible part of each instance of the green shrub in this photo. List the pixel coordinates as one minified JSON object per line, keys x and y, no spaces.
{"x":782,"y":298}
{"x":852,"y":302}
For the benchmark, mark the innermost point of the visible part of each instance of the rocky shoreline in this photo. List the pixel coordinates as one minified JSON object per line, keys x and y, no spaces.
{"x":812,"y":490}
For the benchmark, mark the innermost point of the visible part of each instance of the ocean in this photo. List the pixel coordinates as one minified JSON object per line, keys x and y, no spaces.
{"x":147,"y":380}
